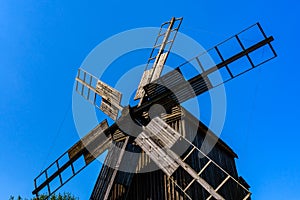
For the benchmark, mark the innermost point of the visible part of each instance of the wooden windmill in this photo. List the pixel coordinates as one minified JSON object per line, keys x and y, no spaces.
{"x":188,"y":165}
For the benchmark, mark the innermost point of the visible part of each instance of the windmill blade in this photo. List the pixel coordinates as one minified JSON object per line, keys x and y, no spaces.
{"x":159,"y":54}
{"x":173,"y":88}
{"x":160,"y":143}
{"x":92,"y":89}
{"x":87,"y":149}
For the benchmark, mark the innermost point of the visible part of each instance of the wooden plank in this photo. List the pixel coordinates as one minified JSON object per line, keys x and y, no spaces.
{"x":169,"y":81}
{"x":106,"y":172}
{"x":144,"y":81}
{"x":86,"y":140}
{"x":93,"y":153}
{"x":118,"y":135}
{"x":116,"y":167}
{"x":247,"y":196}
{"x":191,"y":151}
{"x":223,"y":182}
{"x":164,"y":161}
{"x":122,"y":181}
{"x":109,"y":93}
{"x":95,"y":132}
{"x":106,"y":92}
{"x":109,"y":109}
{"x":159,"y":66}
{"x":161,"y":131}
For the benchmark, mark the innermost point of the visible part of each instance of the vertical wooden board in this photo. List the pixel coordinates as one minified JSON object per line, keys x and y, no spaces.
{"x":151,"y":75}
{"x":86,"y":140}
{"x":103,"y":89}
{"x":95,"y":133}
{"x":159,"y":65}
{"x":106,"y":172}
{"x":94,"y":86}
{"x":116,"y":167}
{"x":74,"y":150}
{"x":118,"y":135}
{"x":144,"y":81}
{"x":110,"y":110}
{"x":157,"y":154}
{"x":160,"y":130}
{"x":109,"y":93}
{"x":93,"y":153}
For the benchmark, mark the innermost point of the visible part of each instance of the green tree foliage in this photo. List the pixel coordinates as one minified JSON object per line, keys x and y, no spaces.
{"x":64,"y":196}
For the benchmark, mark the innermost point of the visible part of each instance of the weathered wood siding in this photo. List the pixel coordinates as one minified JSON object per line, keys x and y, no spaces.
{"x":156,"y":185}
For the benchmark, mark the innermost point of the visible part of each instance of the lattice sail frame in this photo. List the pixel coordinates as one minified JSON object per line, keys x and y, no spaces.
{"x":158,"y":138}
{"x":91,"y":88}
{"x":159,"y":54}
{"x":88,"y":149}
{"x":179,"y":88}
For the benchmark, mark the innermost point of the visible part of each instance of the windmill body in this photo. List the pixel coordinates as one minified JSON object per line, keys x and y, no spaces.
{"x":157,"y":185}
{"x":190,"y":161}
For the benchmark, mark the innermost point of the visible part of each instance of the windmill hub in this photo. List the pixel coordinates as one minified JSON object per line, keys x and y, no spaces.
{"x":127,"y":123}
{"x":156,"y":110}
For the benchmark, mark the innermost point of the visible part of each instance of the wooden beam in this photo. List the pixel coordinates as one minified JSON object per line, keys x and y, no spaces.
{"x":112,"y":179}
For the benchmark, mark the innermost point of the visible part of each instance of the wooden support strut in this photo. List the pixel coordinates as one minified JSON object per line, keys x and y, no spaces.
{"x":239,"y":55}
{"x":111,"y":181}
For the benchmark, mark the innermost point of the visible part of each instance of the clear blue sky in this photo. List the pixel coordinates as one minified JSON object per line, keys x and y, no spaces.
{"x":42,"y":43}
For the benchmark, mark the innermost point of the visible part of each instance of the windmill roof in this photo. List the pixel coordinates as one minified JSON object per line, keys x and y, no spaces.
{"x":205,"y":130}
